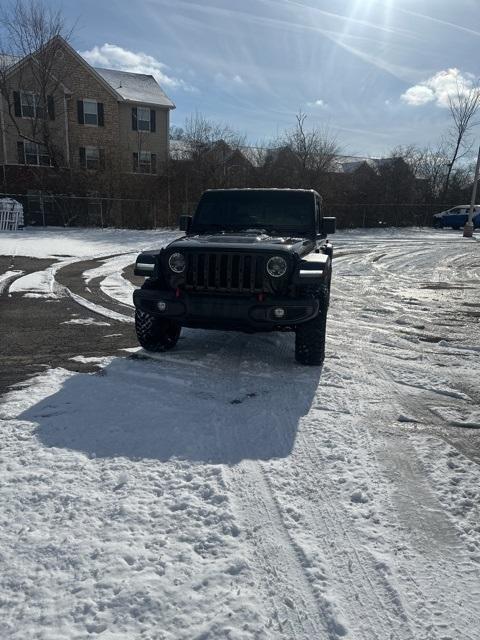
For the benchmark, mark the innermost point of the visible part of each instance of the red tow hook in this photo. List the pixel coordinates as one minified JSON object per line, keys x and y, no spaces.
{"x":260,"y":297}
{"x":177,"y":293}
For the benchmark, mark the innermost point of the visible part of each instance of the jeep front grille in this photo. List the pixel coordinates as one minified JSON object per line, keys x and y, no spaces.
{"x":229,"y":271}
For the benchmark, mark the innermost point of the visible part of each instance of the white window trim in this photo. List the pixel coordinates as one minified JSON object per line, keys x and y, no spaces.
{"x":38,"y":154}
{"x":149,"y":130}
{"x":90,"y":148}
{"x":93,"y":101}
{"x":35,"y":104}
{"x":145,"y":173}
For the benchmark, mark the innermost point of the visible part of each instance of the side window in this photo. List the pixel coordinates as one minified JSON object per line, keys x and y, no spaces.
{"x":28,"y":104}
{"x":33,"y":153}
{"x":92,"y":158}
{"x":317,"y":214}
{"x":143,"y":119}
{"x":90,"y":112}
{"x":145,"y":162}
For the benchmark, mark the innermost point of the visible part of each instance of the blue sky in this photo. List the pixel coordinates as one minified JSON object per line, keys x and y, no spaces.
{"x":375,"y":72}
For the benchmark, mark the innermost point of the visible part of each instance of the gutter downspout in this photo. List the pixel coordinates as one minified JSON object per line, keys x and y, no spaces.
{"x":67,"y":141}
{"x":4,"y":144}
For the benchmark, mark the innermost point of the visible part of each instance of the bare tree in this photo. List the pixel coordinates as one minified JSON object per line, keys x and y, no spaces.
{"x":201,"y":134}
{"x":315,"y":149}
{"x":463,"y":106}
{"x":433,"y":167}
{"x":429,"y":165}
{"x":212,"y":149}
{"x":31,"y":59}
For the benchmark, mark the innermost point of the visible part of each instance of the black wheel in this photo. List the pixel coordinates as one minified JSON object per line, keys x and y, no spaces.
{"x":310,"y":336}
{"x":156,"y":334}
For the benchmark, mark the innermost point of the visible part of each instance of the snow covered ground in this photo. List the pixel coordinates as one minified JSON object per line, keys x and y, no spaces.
{"x":221,"y":491}
{"x":65,"y":242}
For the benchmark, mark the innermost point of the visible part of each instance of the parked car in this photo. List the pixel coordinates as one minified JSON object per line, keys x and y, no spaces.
{"x":456,"y":217}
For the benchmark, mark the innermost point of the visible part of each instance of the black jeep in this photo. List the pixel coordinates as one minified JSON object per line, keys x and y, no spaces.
{"x":251,"y":260}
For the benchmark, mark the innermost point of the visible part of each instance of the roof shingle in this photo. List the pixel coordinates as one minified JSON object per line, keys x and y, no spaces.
{"x":136,"y":87}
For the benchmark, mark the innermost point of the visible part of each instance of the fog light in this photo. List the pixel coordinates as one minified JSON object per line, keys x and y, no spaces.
{"x":161,"y":306}
{"x":279,"y":312}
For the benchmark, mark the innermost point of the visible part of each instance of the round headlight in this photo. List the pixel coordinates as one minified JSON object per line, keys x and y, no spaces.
{"x":276,"y":267}
{"x":176,"y":262}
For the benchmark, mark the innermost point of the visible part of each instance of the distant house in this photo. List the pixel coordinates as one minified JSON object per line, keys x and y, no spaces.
{"x":92,"y":120}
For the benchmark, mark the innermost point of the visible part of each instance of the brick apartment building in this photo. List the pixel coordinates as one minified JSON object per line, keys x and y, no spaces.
{"x":73,"y":128}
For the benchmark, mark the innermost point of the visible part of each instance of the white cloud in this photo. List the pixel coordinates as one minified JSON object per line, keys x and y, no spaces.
{"x":112,"y":56}
{"x":439,"y":88}
{"x":317,"y":103}
{"x":224,"y":80}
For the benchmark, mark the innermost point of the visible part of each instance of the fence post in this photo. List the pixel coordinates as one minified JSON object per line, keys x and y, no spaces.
{"x":169,"y":203}
{"x":101,"y":212}
{"x":42,"y":209}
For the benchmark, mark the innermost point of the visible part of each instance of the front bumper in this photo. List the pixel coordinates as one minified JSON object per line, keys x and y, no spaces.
{"x":226,"y":312}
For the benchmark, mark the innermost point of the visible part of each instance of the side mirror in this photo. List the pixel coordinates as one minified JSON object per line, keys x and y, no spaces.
{"x":185,"y":223}
{"x":329,"y":225}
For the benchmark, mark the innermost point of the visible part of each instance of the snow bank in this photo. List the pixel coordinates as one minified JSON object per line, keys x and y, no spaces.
{"x":58,"y":242}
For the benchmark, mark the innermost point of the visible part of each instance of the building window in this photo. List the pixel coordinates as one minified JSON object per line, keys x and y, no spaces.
{"x":143,"y":119}
{"x":145,"y":162}
{"x":90,"y":112}
{"x":30,"y":105}
{"x":33,"y":153}
{"x":27,"y":104}
{"x":92,"y":158}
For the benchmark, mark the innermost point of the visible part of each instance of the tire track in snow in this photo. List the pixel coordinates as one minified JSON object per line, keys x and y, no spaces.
{"x":432,"y":535}
{"x":6,"y":280}
{"x":298,"y":611}
{"x":296,"y":603}
{"x":72,"y":282}
{"x":368,"y":595}
{"x":417,"y":502}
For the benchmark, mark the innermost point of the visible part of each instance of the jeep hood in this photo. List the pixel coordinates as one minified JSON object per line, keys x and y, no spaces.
{"x":239,"y":241}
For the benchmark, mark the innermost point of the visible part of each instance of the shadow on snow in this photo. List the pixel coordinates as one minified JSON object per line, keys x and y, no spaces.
{"x":218,"y":398}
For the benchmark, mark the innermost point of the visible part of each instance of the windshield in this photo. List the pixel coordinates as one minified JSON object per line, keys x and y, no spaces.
{"x":269,"y":210}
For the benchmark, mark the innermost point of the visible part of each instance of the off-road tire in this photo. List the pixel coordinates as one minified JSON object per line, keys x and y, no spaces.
{"x":310,"y":336}
{"x":156,"y":334}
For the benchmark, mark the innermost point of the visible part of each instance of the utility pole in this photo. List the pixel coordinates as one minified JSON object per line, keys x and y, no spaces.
{"x":468,"y":228}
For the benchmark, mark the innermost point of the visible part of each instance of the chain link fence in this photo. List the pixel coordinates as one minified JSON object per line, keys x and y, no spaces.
{"x":383,"y":214}
{"x":42,"y":209}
